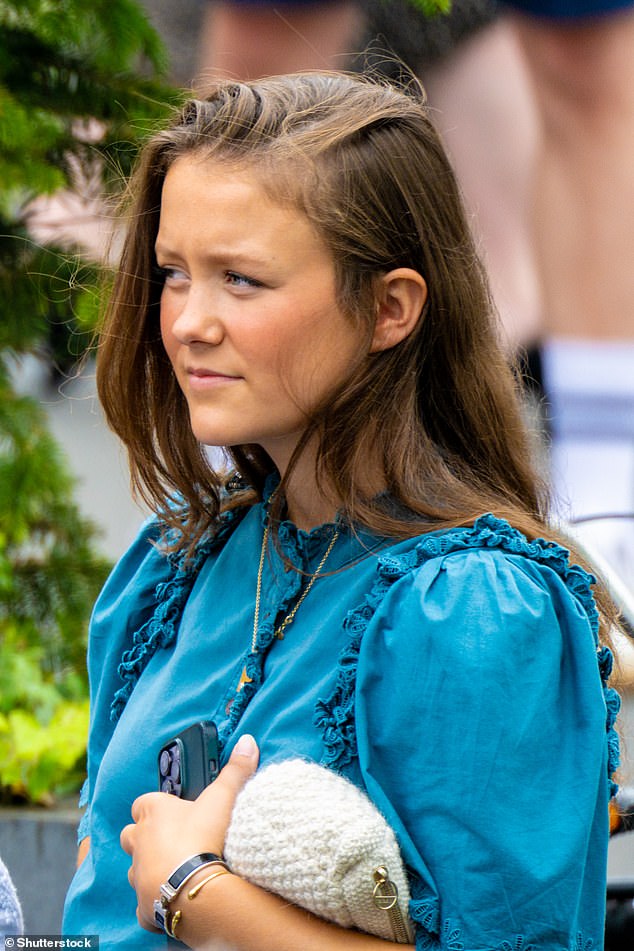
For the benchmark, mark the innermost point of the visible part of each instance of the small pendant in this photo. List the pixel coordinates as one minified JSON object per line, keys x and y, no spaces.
{"x":244,"y":679}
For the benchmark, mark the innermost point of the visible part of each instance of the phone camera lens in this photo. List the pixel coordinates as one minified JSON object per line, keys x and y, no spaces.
{"x":165,"y":763}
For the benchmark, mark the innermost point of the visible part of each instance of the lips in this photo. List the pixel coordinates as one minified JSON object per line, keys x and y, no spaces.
{"x":203,"y":377}
{"x":203,"y":372}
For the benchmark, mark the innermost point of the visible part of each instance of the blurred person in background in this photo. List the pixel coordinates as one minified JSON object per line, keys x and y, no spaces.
{"x":10,"y":911}
{"x":580,"y":58}
{"x":535,"y":101}
{"x":250,"y":39}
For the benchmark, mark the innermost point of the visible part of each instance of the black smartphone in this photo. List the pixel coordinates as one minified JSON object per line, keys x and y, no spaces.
{"x":189,"y":762}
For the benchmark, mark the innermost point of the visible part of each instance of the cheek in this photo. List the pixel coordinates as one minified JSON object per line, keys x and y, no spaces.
{"x":313,"y":370}
{"x":329,"y":355}
{"x":270,"y":348}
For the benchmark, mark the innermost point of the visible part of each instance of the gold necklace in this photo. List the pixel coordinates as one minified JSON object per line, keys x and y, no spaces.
{"x":279,"y":633}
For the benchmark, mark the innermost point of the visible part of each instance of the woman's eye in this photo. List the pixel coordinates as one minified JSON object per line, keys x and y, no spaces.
{"x":241,"y":280}
{"x":170,"y":275}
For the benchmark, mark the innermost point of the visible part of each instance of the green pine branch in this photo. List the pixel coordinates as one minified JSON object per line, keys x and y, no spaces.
{"x":63,"y":66}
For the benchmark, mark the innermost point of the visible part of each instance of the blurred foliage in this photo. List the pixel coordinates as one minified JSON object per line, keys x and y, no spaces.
{"x":80,"y":87}
{"x":432,"y":8}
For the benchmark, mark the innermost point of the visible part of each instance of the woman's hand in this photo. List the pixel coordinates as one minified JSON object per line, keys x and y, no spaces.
{"x":167,"y":830}
{"x":230,"y":912}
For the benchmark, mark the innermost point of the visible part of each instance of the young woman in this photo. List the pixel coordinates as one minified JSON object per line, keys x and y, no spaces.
{"x":372,"y":591}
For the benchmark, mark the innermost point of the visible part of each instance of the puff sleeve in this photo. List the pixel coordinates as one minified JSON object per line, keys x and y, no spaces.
{"x":480,"y":718}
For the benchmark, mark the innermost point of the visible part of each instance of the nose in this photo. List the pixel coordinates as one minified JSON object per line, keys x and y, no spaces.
{"x":196,"y":320}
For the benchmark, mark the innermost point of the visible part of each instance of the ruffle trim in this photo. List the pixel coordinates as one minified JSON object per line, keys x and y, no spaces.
{"x":334,"y":716}
{"x":450,"y":939}
{"x":161,"y":629}
{"x":424,"y":910}
{"x":434,"y":934}
{"x":298,"y":545}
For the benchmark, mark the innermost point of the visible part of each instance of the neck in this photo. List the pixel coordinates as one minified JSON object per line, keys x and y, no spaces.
{"x":307,"y":516}
{"x":307,"y":505}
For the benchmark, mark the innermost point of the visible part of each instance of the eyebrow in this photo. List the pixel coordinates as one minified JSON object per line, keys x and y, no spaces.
{"x":221,"y":256}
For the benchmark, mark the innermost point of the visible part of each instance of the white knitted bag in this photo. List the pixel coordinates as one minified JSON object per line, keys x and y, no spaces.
{"x":311,"y":836}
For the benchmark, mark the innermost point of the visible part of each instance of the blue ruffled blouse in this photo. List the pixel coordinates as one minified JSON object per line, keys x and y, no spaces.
{"x":456,"y":677}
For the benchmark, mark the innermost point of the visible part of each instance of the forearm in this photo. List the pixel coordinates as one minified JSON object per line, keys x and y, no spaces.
{"x":233,"y":914}
{"x":83,"y":849}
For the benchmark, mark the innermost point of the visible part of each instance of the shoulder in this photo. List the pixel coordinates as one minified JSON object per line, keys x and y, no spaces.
{"x":489,"y":567}
{"x":481,"y":601}
{"x":156,"y":558}
{"x":140,"y":607}
{"x":133,"y":580}
{"x":476,"y":608}
{"x":125,"y":604}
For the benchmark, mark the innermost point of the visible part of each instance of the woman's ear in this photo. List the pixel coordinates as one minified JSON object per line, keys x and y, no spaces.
{"x":401,"y":297}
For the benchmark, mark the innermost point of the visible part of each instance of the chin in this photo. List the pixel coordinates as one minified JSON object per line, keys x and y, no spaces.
{"x":210,"y":434}
{"x":219,"y":438}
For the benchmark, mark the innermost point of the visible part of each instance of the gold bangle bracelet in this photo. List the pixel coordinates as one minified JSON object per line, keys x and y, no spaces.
{"x":171,"y":921}
{"x":191,"y":894}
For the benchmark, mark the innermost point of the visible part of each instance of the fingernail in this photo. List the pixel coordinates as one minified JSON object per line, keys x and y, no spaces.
{"x":246,"y":746}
